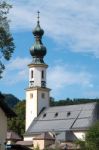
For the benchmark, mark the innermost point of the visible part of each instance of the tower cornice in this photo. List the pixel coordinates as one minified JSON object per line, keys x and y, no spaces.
{"x":37,"y":88}
{"x":37,"y":65}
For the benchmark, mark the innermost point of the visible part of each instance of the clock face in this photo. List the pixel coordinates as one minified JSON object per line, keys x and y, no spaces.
{"x":43,"y":84}
{"x":31,"y":83}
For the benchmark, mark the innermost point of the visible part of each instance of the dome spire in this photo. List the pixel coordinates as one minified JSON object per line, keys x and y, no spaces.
{"x":38,"y":50}
{"x":38,"y":17}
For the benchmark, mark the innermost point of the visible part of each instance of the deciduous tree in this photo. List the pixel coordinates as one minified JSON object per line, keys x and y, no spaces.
{"x":91,"y":140}
{"x":6,"y":40}
{"x":18,"y":124}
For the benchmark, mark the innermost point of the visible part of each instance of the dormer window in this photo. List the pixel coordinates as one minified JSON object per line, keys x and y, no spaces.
{"x":44,"y":115}
{"x":68,"y":113}
{"x":56,"y":114}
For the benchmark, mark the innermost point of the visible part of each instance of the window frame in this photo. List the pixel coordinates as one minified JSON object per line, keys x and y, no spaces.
{"x":43,"y":95}
{"x":42,"y":74}
{"x":31,"y":95}
{"x":32,"y":74}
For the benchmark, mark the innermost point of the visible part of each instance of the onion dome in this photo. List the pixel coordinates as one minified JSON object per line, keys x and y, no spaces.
{"x":38,"y":31}
{"x":38,"y":50}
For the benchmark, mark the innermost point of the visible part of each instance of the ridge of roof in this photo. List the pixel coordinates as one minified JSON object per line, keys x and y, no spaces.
{"x":87,"y":103}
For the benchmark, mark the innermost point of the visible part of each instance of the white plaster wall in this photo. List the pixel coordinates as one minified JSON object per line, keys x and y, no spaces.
{"x":80,"y":135}
{"x":42,"y":143}
{"x":37,"y":75}
{"x":3,"y":129}
{"x":34,"y":105}
{"x":30,"y":138}
{"x":39,"y":143}
{"x":31,"y":107}
{"x":43,"y":102}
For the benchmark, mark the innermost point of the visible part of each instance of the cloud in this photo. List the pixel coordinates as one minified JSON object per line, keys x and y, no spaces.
{"x":14,"y":78}
{"x":16,"y":71}
{"x":60,"y":77}
{"x":71,"y":23}
{"x":18,"y":63}
{"x":92,"y":93}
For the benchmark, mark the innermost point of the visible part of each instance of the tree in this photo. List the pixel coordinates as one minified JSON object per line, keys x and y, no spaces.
{"x":37,"y":147}
{"x":69,"y":101}
{"x":18,"y":124}
{"x":6,"y":40}
{"x":92,"y":139}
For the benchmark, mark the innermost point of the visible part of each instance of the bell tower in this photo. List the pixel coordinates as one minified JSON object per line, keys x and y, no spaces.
{"x":37,"y":94}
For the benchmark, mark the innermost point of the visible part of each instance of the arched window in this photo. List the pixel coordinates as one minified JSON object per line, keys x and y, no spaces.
{"x":32,"y":74}
{"x":43,"y":95}
{"x":31,"y":95}
{"x":42,"y":74}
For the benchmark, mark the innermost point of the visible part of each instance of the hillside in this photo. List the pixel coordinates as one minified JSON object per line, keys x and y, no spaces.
{"x":11,"y":100}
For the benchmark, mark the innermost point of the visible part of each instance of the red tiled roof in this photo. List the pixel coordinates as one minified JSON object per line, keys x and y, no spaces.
{"x":13,"y":136}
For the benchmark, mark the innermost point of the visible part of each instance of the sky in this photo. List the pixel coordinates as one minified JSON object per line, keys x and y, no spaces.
{"x":71,"y":36}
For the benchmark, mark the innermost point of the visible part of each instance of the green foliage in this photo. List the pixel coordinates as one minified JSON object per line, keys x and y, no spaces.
{"x":11,"y":100}
{"x":80,"y":144}
{"x":57,"y":148}
{"x":6,"y":39}
{"x":37,"y":147}
{"x":69,"y":101}
{"x":92,"y":139}
{"x":18,"y":124}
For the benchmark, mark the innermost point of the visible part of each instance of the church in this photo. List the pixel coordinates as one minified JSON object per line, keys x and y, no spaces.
{"x":45,"y":124}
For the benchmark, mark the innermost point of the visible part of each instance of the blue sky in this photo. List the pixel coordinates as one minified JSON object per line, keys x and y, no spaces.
{"x":72,"y":40}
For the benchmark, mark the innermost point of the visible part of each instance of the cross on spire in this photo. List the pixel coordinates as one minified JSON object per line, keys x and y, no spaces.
{"x":38,"y":16}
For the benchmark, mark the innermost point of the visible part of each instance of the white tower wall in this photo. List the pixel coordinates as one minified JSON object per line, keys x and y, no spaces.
{"x":36,"y":99}
{"x":43,"y":101}
{"x":35,"y":76}
{"x":31,"y":106}
{"x":37,"y":95}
